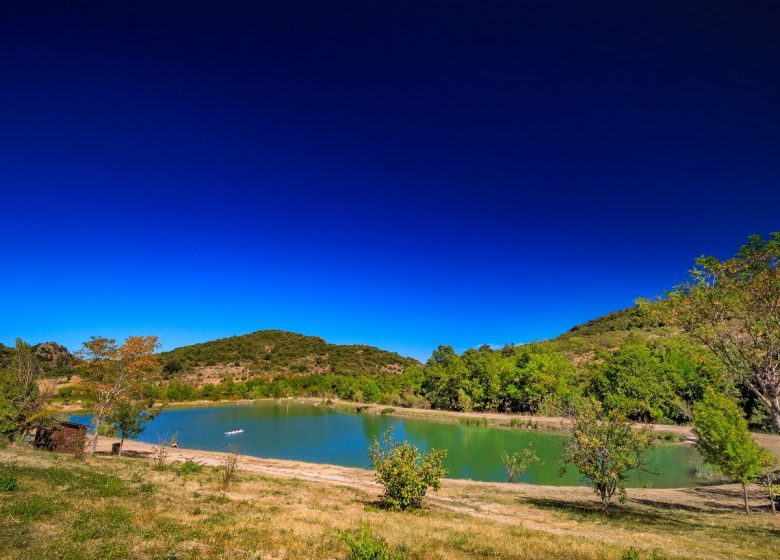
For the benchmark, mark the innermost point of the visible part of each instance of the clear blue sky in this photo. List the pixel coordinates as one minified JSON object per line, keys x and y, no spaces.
{"x":401,"y":174}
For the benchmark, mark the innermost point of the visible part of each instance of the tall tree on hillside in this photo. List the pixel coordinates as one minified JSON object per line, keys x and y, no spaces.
{"x":724,"y":440}
{"x":733,"y":307}
{"x":116,"y":372}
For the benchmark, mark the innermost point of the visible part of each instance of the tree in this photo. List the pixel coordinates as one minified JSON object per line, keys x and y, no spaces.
{"x":129,"y":419}
{"x":605,"y":448}
{"x":724,"y":440}
{"x":769,"y":481}
{"x":23,"y":399}
{"x":116,"y":372}
{"x":633,"y":381}
{"x":733,"y":308}
{"x":518,"y":462}
{"x":405,"y":473}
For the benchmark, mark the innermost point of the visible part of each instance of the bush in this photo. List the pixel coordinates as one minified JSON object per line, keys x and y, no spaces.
{"x":404,"y":472}
{"x":361,"y":545}
{"x":9,"y":480}
{"x":190,"y":466}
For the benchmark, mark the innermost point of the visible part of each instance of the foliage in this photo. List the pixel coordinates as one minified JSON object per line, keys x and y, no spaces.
{"x":518,"y":462}
{"x":733,"y":308}
{"x":362,"y":545}
{"x":724,"y":440}
{"x":129,"y":419}
{"x":633,"y":381}
{"x":285,"y":352}
{"x":405,"y":473}
{"x":605,"y":448}
{"x":190,"y":466}
{"x":22,"y":400}
{"x":115,"y":373}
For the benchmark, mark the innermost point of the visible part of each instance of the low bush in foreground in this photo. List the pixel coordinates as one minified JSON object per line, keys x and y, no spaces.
{"x":362,"y":545}
{"x":405,"y":473}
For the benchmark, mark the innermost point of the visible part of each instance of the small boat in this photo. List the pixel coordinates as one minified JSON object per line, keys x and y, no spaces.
{"x":234,"y":432}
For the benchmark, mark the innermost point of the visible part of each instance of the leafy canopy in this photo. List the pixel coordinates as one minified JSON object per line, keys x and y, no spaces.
{"x":732,"y":306}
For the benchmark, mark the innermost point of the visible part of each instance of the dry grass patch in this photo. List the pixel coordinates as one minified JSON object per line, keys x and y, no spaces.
{"x":115,"y":508}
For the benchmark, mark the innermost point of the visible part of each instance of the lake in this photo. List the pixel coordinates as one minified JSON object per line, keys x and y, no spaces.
{"x":319,"y":434}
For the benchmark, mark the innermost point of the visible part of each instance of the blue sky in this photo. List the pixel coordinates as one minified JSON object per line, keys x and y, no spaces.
{"x":399,"y":174}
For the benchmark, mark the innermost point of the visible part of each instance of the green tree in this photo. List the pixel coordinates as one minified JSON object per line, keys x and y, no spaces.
{"x":632,"y":380}
{"x":733,"y":307}
{"x":129,"y":419}
{"x":405,"y":473}
{"x":605,"y":448}
{"x":23,"y":399}
{"x":724,"y":440}
{"x":545,"y":378}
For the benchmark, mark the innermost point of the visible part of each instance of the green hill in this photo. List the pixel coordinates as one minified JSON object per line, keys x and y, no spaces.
{"x":606,"y":333}
{"x":276,"y":352}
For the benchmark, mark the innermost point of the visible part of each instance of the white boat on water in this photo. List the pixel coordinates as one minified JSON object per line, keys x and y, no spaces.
{"x":234,"y":432}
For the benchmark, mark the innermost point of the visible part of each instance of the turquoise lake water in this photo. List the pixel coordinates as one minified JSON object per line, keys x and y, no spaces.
{"x":320,"y":434}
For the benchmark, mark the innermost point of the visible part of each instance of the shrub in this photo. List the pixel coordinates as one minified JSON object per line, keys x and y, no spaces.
{"x":361,"y":545}
{"x":229,"y":469}
{"x":9,"y":480}
{"x":190,"y":466}
{"x":405,"y":473}
{"x":518,"y":462}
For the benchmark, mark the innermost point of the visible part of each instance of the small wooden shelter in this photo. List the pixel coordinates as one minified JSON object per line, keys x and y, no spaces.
{"x":65,"y":436}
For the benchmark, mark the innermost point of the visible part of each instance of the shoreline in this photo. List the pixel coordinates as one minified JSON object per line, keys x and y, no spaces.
{"x":500,"y":420}
{"x":364,"y":479}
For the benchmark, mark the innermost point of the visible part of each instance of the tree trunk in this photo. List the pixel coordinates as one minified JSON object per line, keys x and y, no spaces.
{"x":776,"y":414}
{"x":772,"y":504}
{"x":121,"y":444}
{"x":95,"y":438}
{"x":745,"y":494}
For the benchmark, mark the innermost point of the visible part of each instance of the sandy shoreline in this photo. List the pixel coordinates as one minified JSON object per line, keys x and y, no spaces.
{"x":363,"y":479}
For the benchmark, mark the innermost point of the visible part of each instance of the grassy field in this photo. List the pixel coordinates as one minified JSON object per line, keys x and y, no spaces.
{"x":111,"y":508}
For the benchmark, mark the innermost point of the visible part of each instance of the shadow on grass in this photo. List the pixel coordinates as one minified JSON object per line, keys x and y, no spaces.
{"x":618,"y":513}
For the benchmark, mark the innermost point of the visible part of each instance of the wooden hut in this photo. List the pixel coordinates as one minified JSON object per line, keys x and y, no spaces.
{"x":65,"y":436}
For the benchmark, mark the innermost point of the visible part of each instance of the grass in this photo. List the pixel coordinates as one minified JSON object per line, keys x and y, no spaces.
{"x":121,"y":508}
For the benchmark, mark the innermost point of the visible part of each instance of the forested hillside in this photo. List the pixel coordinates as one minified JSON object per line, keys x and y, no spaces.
{"x":625,"y":359}
{"x":280,"y":352}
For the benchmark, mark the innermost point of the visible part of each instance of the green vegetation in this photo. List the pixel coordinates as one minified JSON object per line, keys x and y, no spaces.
{"x":518,"y":462}
{"x":128,"y":418}
{"x":362,"y":545}
{"x":117,"y":507}
{"x":278,"y":352}
{"x":724,"y":440}
{"x":9,"y":480}
{"x":605,"y":448}
{"x":405,"y":473}
{"x":732,"y":307}
{"x":22,"y":402}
